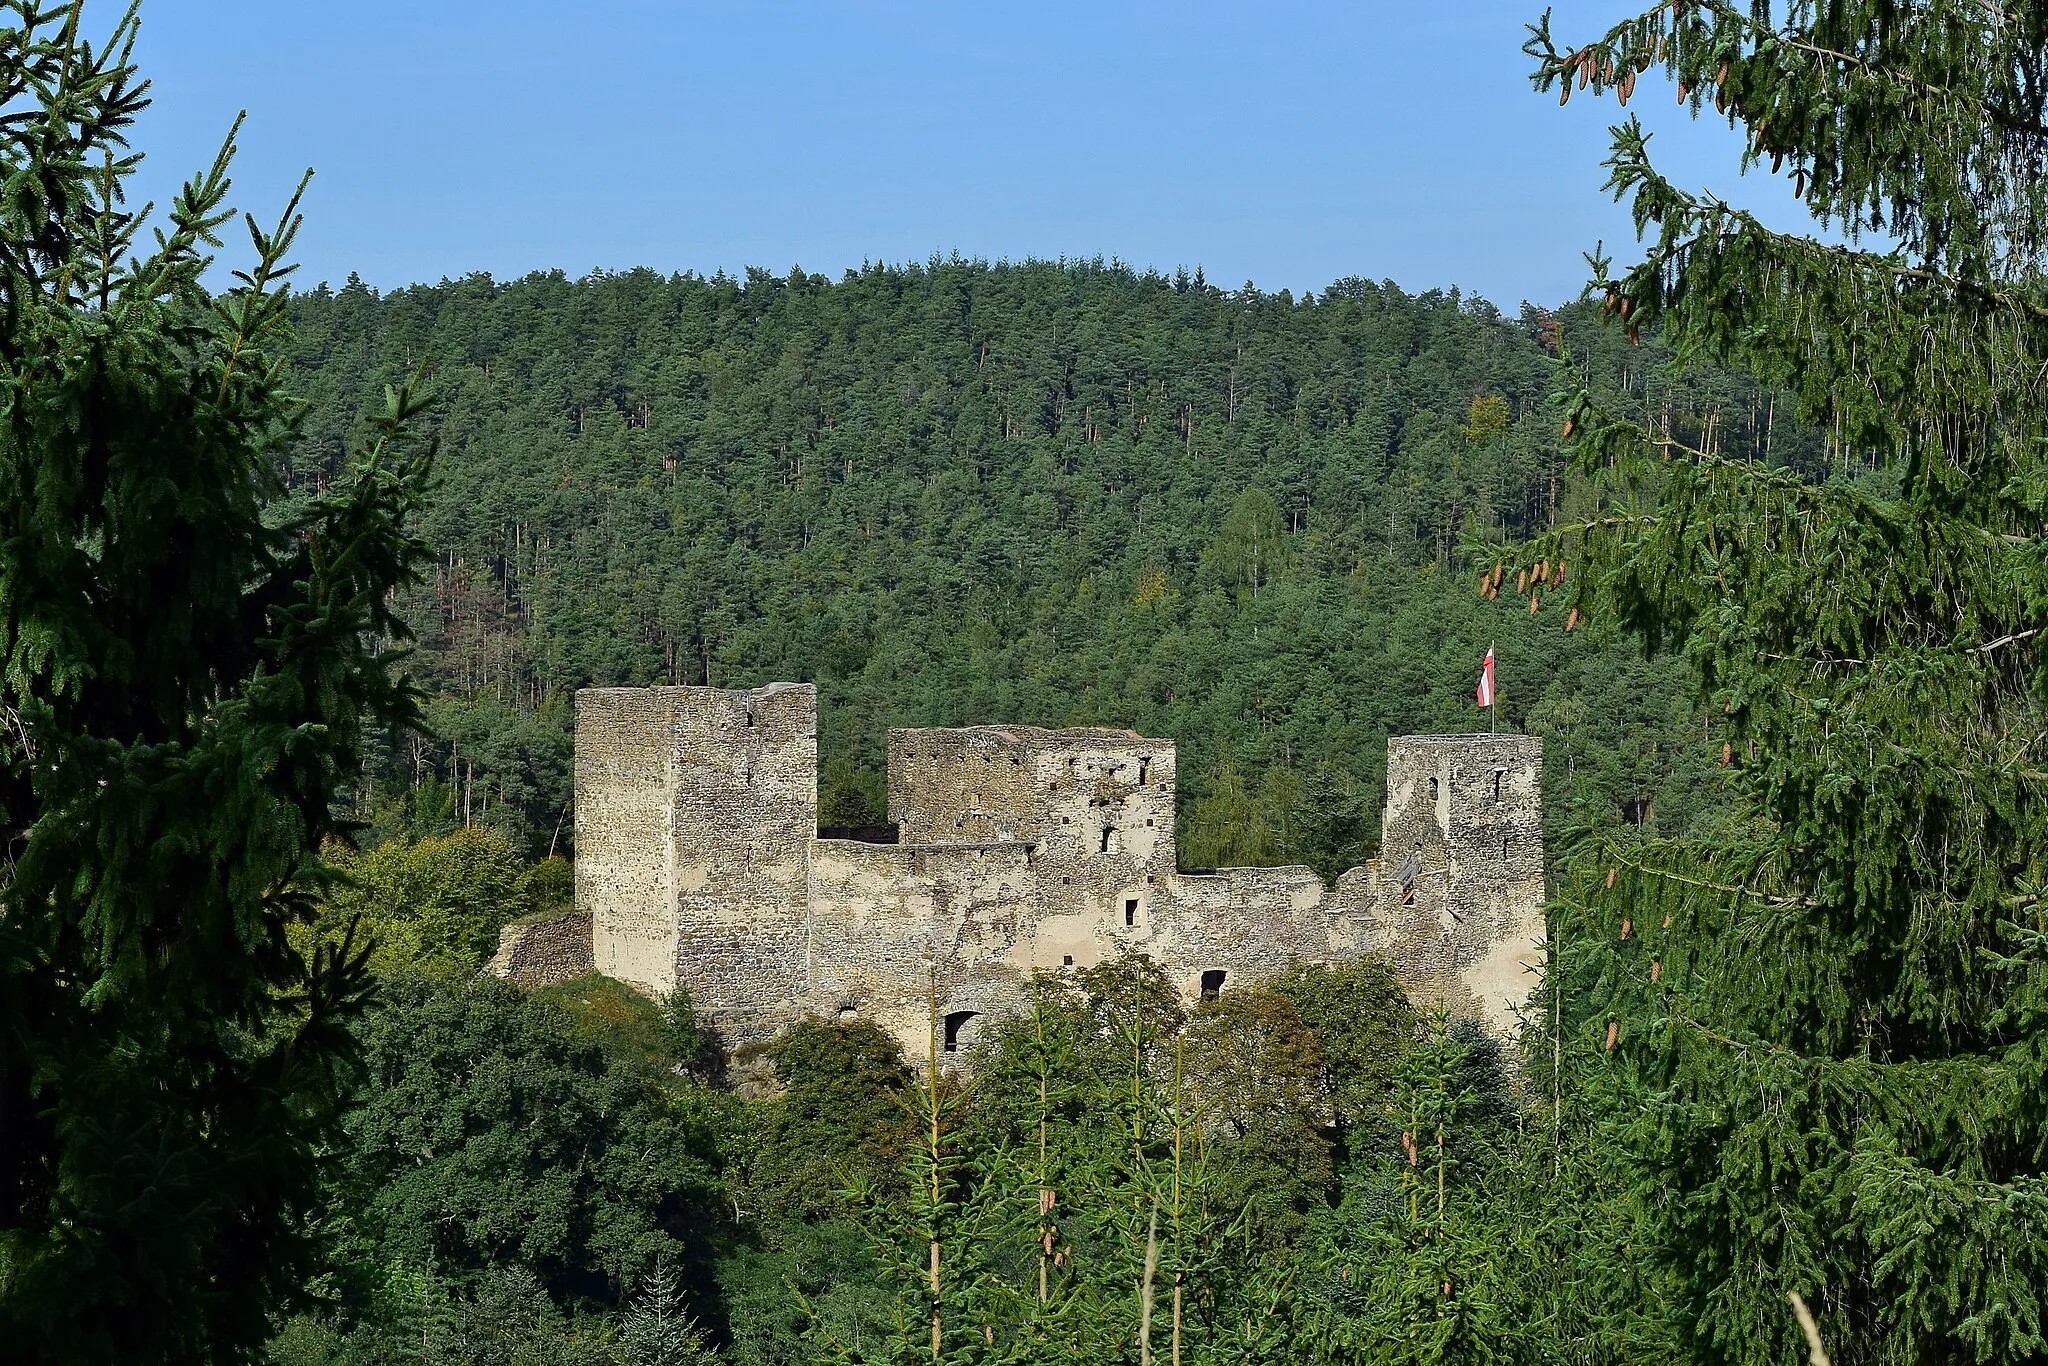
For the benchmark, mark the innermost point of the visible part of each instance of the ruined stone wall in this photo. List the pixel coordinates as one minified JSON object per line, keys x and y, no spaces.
{"x":1242,"y":923}
{"x":544,"y":951}
{"x":1067,"y":789}
{"x":1465,"y":810}
{"x":885,"y":916}
{"x":1022,"y":849}
{"x":744,"y":813}
{"x":625,"y":792}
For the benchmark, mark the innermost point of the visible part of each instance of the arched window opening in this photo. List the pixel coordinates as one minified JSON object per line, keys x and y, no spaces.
{"x":959,"y":1029}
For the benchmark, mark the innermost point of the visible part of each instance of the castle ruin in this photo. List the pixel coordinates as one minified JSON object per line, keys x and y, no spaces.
{"x":699,"y":862}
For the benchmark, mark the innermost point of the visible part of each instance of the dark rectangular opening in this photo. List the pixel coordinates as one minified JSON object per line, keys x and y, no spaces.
{"x":866,"y":834}
{"x":1212,"y":983}
{"x":1107,"y":832}
{"x":1131,"y":911}
{"x":1144,"y":771}
{"x":1497,"y":775}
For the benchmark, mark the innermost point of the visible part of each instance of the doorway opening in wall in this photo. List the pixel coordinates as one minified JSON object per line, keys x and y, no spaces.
{"x":1212,"y":983}
{"x":959,"y":1031}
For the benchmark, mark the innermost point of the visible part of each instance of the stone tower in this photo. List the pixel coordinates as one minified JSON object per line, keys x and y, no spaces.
{"x":1461,"y":869}
{"x":695,"y":812}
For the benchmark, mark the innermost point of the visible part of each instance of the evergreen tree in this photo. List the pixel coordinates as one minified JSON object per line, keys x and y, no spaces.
{"x":1823,"y":1033}
{"x":190,"y":663}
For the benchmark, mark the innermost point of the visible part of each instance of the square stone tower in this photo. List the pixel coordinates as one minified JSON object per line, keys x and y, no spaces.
{"x":695,"y":810}
{"x":1461,"y":869}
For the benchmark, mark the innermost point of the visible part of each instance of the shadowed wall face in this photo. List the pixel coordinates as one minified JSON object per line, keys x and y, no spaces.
{"x":625,"y":785}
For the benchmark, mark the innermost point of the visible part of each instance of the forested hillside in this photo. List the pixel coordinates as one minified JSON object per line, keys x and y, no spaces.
{"x":1049,"y":493}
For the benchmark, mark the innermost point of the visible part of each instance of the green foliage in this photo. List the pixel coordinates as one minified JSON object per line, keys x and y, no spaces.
{"x":1362,"y":1022}
{"x":1821,"y":1030}
{"x":839,"y":1117}
{"x":424,"y":1319}
{"x":191,"y":661}
{"x":1070,"y":1203}
{"x":1487,"y":419}
{"x":552,"y":1131}
{"x":957,"y":493}
{"x":434,"y":906}
{"x":658,"y":1329}
{"x":1417,"y":1246}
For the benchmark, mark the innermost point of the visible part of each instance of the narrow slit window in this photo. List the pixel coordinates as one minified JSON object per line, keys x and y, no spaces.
{"x":1108,"y":833}
{"x":1212,"y":983}
{"x":1144,"y":771}
{"x":1131,"y":911}
{"x":958,"y":1031}
{"x":1435,"y":791}
{"x":1497,"y":775}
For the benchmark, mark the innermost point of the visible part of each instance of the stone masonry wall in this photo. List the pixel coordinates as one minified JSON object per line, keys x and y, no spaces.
{"x":544,"y":951}
{"x":1467,"y":809}
{"x":1021,"y":850}
{"x":743,"y":814}
{"x":625,"y":786}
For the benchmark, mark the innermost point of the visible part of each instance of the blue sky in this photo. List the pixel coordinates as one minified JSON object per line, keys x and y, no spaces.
{"x":1285,"y":143}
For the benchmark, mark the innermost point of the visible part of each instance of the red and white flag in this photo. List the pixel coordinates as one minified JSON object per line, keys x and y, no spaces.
{"x":1486,"y":680}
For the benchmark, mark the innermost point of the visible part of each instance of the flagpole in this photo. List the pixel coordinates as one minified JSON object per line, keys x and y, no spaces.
{"x":1492,"y":698}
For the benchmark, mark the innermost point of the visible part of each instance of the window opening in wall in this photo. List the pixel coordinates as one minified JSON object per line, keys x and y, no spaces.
{"x":1212,"y":983}
{"x":1107,"y":832}
{"x":1131,"y":910}
{"x":1144,"y":771}
{"x":1497,"y":774}
{"x":1503,"y":848}
{"x":1433,"y":791}
{"x":957,"y":1028}
{"x":1067,"y":959}
{"x":750,"y":718}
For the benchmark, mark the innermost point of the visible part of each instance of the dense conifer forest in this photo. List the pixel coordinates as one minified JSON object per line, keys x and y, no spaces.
{"x":1061,"y":493}
{"x":1777,"y":1094}
{"x":1051,"y":493}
